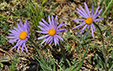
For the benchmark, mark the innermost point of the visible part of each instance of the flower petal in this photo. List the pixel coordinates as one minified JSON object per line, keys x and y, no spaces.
{"x":43,"y":32}
{"x":22,"y":48}
{"x":16,"y":29}
{"x":49,"y":20}
{"x":43,"y":29}
{"x":45,"y":22}
{"x":55,"y":22}
{"x":42,"y":37}
{"x":78,"y":19}
{"x":43,"y":25}
{"x":86,"y":7}
{"x":79,"y":25}
{"x":61,"y":30}
{"x":92,"y":32}
{"x":92,"y":10}
{"x":96,"y":10}
{"x":13,"y":40}
{"x":61,"y":25}
{"x":81,"y":14}
{"x":98,"y":19}
{"x":86,"y":32}
{"x":59,"y":37}
{"x":25,"y":47}
{"x":56,"y":40}
{"x":83,"y":11}
{"x":11,"y":37}
{"x":83,"y":29}
{"x":21,"y":24}
{"x":19,"y":27}
{"x":18,"y":42}
{"x":97,"y":14}
{"x":93,"y":26}
{"x":44,"y":41}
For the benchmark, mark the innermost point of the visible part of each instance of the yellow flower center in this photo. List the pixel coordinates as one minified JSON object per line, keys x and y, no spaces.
{"x":23,"y":35}
{"x":89,"y":20}
{"x":51,"y":32}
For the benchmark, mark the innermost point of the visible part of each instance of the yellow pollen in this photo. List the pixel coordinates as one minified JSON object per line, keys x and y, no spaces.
{"x":51,"y":32}
{"x":89,"y":20}
{"x":23,"y":35}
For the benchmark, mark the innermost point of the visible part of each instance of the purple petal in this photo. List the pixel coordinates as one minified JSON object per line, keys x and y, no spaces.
{"x":97,"y":14}
{"x":96,"y":10}
{"x":28,"y":27}
{"x":92,"y":32}
{"x":22,"y":48}
{"x":45,"y":22}
{"x":61,"y":25}
{"x":92,"y":10}
{"x":86,"y":32}
{"x":43,"y":32}
{"x":55,"y":22}
{"x":86,"y":7}
{"x":49,"y":20}
{"x":42,"y":37}
{"x":21,"y":24}
{"x":98,"y":19}
{"x":16,"y":29}
{"x":14,"y":32}
{"x":61,"y":30}
{"x":52,"y":20}
{"x":48,"y":39}
{"x":19,"y":27}
{"x":78,"y":32}
{"x":81,"y":14}
{"x":79,"y":25}
{"x":13,"y":40}
{"x":83,"y":11}
{"x":18,"y":48}
{"x":78,"y":19}
{"x":18,"y":42}
{"x":43,"y":29}
{"x":51,"y":40}
{"x":21,"y":42}
{"x":45,"y":26}
{"x":11,"y":37}
{"x":25,"y":47}
{"x":59,"y":37}
{"x":43,"y":41}
{"x":83,"y":29}
{"x":56,"y":40}
{"x":93,"y":26}
{"x":59,"y":33}
{"x":25,"y":26}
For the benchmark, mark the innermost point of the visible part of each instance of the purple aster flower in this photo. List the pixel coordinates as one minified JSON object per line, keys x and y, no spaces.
{"x":89,"y":19}
{"x":20,"y":35}
{"x":51,"y":30}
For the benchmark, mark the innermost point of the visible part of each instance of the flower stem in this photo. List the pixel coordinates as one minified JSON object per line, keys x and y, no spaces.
{"x":36,"y":47}
{"x":63,"y":54}
{"x":103,"y":48}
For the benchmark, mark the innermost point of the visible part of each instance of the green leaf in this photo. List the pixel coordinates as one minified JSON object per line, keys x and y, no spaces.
{"x":112,"y":54}
{"x":110,"y":3}
{"x":83,"y":58}
{"x":4,"y":60}
{"x":1,"y":65}
{"x":44,"y":1}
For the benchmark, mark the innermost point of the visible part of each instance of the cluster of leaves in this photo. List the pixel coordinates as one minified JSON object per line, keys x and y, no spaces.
{"x":14,"y":62}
